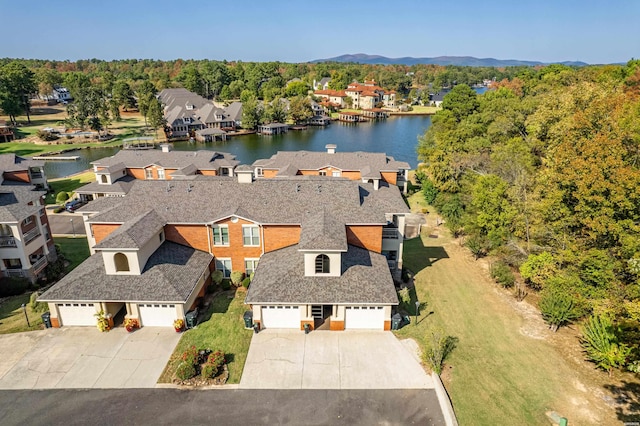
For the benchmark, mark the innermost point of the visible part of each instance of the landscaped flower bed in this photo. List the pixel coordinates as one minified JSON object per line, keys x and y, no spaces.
{"x":202,"y":367}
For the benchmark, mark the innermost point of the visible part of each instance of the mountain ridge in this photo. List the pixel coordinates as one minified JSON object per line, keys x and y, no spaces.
{"x":469,"y":61}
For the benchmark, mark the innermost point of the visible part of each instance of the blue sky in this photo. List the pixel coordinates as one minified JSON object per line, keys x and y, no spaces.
{"x":299,"y":31}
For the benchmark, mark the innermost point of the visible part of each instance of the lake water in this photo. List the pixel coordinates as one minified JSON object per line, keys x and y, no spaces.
{"x":396,"y":136}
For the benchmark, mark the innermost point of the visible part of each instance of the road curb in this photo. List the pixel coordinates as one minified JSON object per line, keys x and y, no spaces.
{"x":445,"y":403}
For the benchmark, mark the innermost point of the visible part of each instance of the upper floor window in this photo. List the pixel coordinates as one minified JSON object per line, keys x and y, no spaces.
{"x":322,"y":173}
{"x":250,"y":235}
{"x":148,"y":174}
{"x":336,"y":173}
{"x":27,"y":220}
{"x":259,"y":172}
{"x":121,"y":262}
{"x":322,"y":264}
{"x":161,"y":174}
{"x":221,"y":235}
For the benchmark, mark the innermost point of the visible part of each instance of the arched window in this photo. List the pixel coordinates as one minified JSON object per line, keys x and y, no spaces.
{"x":104,"y":178}
{"x":121,"y":261}
{"x":322,"y":264}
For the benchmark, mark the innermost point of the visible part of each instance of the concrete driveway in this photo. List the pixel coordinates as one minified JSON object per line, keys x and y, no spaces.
{"x":290,"y":359}
{"x":83,"y":357}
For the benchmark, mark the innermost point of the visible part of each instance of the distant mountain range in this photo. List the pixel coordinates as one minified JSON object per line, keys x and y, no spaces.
{"x":468,"y":61}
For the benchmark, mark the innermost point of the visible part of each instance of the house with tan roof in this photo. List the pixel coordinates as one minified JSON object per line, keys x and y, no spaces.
{"x":323,"y":253}
{"x":369,"y":95}
{"x":372,"y":167}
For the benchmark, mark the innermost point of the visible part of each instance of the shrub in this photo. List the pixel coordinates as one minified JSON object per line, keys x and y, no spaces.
{"x":246,"y":282}
{"x":477,"y":245}
{"x":600,"y":342}
{"x":61,"y":197}
{"x":502,"y":274}
{"x":46,"y":136}
{"x":58,"y":209}
{"x":185,"y":370}
{"x":216,"y":277}
{"x":558,"y":308}
{"x":404,"y":296}
{"x":429,"y":191}
{"x":190,"y":355}
{"x":226,"y":284}
{"x":441,"y":347}
{"x":213,"y":364}
{"x":236,"y":278}
{"x":538,"y":268}
{"x":35,"y":305}
{"x":13,"y":286}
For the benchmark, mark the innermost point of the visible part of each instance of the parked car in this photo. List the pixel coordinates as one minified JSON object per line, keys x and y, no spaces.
{"x":73,"y":205}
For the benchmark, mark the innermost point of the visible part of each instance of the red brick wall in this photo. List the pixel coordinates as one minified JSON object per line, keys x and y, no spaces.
{"x":17,"y":176}
{"x":269,"y":173}
{"x":391,"y":177}
{"x":188,"y":235}
{"x":365,"y":236}
{"x":236,"y":251}
{"x":280,"y":236}
{"x":136,"y":173}
{"x":208,"y":172}
{"x":102,"y":230}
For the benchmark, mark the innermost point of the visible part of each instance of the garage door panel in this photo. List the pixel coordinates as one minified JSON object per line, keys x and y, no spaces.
{"x":281,"y":317}
{"x":157,"y":314}
{"x":364,"y":317}
{"x":77,"y":314}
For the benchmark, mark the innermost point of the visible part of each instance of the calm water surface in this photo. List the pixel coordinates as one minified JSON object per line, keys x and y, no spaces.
{"x":397,"y":136}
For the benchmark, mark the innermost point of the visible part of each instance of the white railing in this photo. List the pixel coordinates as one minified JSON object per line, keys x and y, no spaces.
{"x":14,"y":273}
{"x":8,"y":241}
{"x":31,"y":235}
{"x":39,"y":264}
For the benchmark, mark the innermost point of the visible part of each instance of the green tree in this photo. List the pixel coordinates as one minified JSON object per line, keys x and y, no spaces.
{"x":462,"y":101}
{"x":156,"y":116}
{"x":252,"y":112}
{"x":17,"y":83}
{"x":300,"y":109}
{"x":558,"y":308}
{"x":146,"y":94}
{"x":494,"y":212}
{"x":192,"y":80}
{"x":538,"y":269}
{"x":123,"y":95}
{"x":296,"y":88}
{"x":276,"y":111}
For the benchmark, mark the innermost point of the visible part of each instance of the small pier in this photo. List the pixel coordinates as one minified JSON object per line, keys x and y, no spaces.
{"x":57,"y":158}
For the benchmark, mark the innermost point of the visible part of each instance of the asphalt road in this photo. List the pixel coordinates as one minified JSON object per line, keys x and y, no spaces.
{"x":61,"y":223}
{"x":223,"y":406}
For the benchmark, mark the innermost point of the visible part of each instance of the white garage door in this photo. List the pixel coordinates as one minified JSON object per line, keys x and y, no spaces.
{"x":364,"y":317}
{"x":157,"y":315}
{"x":280,"y":317}
{"x":77,"y":313}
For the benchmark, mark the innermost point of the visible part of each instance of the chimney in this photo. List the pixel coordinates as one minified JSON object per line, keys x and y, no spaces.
{"x":165,"y":147}
{"x":331,"y":148}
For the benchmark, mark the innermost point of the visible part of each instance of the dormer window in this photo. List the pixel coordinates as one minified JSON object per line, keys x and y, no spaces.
{"x":322,"y":264}
{"x":103,"y":178}
{"x":187,"y":119}
{"x":121,"y":262}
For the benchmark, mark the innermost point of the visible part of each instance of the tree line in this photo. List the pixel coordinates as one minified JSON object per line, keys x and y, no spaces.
{"x":544,"y":173}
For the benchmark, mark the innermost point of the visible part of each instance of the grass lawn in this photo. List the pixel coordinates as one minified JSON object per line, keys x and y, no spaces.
{"x":12,"y":318}
{"x":506,"y":367}
{"x":419,"y":109}
{"x":222,"y":329}
{"x":75,"y":250}
{"x":68,"y":184}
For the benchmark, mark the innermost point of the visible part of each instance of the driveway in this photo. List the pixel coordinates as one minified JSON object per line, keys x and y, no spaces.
{"x":290,"y":359}
{"x":65,"y":223}
{"x":83,"y":357}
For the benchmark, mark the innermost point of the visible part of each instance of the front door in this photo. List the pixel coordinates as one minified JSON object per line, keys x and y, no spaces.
{"x":320,"y":314}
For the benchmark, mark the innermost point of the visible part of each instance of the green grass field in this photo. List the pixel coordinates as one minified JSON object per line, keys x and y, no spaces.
{"x":222,"y":329}
{"x":75,"y":250}
{"x":12,"y":319}
{"x":68,"y":184}
{"x":497,"y":374}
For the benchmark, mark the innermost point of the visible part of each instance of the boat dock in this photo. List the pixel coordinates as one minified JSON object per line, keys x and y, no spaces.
{"x":61,"y":158}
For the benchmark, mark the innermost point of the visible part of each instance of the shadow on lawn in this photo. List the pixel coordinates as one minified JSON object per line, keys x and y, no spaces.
{"x":627,"y":396}
{"x":219,"y":305}
{"x":417,"y":256}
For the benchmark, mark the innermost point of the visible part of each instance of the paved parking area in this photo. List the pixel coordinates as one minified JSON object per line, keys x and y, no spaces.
{"x":290,"y":359}
{"x":83,"y":357}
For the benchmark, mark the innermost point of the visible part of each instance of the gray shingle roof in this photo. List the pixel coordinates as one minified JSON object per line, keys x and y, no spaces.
{"x":309,"y":160}
{"x":14,"y":203}
{"x":321,"y":231}
{"x":202,"y":159}
{"x":279,"y":278}
{"x":135,"y":233}
{"x":119,"y":187}
{"x":13,"y":163}
{"x":268,"y":201}
{"x":170,"y":275}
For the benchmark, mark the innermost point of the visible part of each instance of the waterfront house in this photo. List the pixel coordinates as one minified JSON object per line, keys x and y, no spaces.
{"x":20,"y":170}
{"x":272,"y":129}
{"x":323,"y":253}
{"x":323,"y":84}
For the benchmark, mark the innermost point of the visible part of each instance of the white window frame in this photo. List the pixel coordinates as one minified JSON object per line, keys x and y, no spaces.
{"x":27,"y":220}
{"x":161,"y":174}
{"x":322,"y":173}
{"x":221,"y":241}
{"x":148,"y":173}
{"x":336,"y":173}
{"x":254,"y":235}
{"x":221,"y":265}
{"x":259,"y":172}
{"x":250,"y":265}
